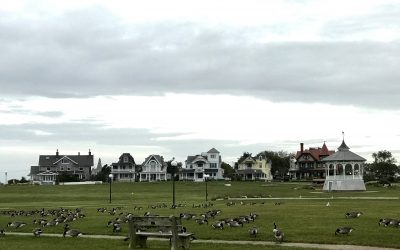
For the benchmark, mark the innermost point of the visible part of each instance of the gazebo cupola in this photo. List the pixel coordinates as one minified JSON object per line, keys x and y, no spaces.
{"x":344,"y":170}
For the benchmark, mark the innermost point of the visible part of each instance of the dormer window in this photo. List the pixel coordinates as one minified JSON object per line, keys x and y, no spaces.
{"x":212,"y":156}
{"x":64,"y":161}
{"x":126,"y":160}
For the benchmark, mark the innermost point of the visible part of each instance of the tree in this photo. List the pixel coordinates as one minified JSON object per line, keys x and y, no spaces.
{"x":280,"y":162}
{"x":103,"y":174}
{"x":229,"y":172}
{"x":384,"y":166}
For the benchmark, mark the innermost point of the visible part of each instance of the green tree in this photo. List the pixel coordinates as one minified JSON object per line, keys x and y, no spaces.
{"x":280,"y":162}
{"x":384,"y":166}
{"x":103,"y":174}
{"x":229,"y":172}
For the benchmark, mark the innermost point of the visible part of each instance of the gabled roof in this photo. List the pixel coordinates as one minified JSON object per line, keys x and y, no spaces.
{"x":244,"y":158}
{"x":81,"y":160}
{"x":157,"y":158}
{"x":213,"y":151}
{"x":65,"y":157}
{"x":316,"y":153}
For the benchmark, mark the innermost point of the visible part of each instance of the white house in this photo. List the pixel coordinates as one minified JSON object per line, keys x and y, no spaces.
{"x":197,"y":167}
{"x":154,"y":169}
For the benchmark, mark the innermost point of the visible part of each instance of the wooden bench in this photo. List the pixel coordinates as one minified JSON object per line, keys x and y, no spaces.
{"x":142,"y":227}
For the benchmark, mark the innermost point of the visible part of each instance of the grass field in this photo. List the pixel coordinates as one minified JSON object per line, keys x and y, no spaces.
{"x":302,"y":215}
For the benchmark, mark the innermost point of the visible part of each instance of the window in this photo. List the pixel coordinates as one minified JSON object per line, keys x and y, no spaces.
{"x":126,"y":160}
{"x":68,"y":168}
{"x":213,"y":165}
{"x":152,"y":166}
{"x":212,"y":156}
{"x":48,"y":169}
{"x":64,"y":161}
{"x":81,"y":169}
{"x":200,"y":165}
{"x":62,"y":168}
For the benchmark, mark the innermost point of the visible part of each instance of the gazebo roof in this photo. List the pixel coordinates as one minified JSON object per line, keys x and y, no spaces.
{"x":343,"y":154}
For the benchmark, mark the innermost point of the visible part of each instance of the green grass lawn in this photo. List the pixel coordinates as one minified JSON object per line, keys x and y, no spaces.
{"x":301,"y":219}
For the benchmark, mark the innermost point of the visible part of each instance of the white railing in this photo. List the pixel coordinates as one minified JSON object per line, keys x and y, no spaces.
{"x":344,"y":177}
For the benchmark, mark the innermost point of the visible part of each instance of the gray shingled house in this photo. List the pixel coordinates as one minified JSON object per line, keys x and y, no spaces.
{"x":51,"y":166}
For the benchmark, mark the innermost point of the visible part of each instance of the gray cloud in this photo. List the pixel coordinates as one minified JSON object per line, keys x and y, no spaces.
{"x":90,"y":52}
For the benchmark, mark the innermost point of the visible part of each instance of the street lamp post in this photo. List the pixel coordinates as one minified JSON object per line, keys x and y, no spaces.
{"x":174,"y":164}
{"x":205,"y":180}
{"x":110,"y":176}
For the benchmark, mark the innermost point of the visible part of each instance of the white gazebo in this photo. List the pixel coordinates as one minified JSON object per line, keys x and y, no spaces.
{"x":344,"y":170}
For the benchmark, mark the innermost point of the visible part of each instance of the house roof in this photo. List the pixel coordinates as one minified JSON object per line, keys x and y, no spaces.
{"x":34,"y":170}
{"x":158,"y":158}
{"x":81,"y":160}
{"x":213,"y":151}
{"x":191,"y":159}
{"x":343,"y":154}
{"x":316,"y":153}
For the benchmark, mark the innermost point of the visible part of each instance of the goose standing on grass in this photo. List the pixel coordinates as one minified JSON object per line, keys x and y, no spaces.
{"x":37,"y":232}
{"x":253,"y":231}
{"x":344,"y":230}
{"x":117,"y":228}
{"x":71,"y":232}
{"x":278,"y":234}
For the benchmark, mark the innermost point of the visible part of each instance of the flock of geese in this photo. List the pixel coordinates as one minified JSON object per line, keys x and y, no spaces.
{"x":54,"y":217}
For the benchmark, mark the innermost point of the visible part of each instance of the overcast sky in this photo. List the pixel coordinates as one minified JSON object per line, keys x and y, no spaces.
{"x":177,"y":78}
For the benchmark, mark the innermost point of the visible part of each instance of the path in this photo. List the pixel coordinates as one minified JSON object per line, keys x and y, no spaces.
{"x":262,"y":243}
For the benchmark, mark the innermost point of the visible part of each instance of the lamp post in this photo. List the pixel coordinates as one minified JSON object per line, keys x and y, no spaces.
{"x":110,"y":176}
{"x":205,"y":180}
{"x":130,"y":176}
{"x":174,"y":164}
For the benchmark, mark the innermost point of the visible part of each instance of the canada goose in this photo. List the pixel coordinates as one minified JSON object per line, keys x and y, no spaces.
{"x":384,"y":222}
{"x":278,"y":234}
{"x":253,"y":231}
{"x":52,"y":223}
{"x":235,"y":223}
{"x":117,"y":228}
{"x":350,"y":215}
{"x":218,"y":225}
{"x":71,"y":232}
{"x":37,"y":232}
{"x":344,"y":230}
{"x":16,"y":224}
{"x":394,"y":223}
{"x":202,"y":221}
{"x":186,"y":216}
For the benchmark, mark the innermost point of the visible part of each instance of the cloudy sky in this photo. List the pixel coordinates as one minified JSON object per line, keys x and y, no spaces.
{"x":177,"y":78}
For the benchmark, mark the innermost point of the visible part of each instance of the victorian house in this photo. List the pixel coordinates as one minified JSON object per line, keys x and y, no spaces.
{"x":254,"y":168}
{"x":154,"y":169}
{"x":124,"y":169}
{"x":51,"y":166}
{"x":309,"y":164}
{"x":202,"y":166}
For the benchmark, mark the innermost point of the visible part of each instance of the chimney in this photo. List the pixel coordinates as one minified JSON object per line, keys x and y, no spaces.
{"x":90,"y":153}
{"x":79,"y":153}
{"x":57,"y":152}
{"x":301,"y":147}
